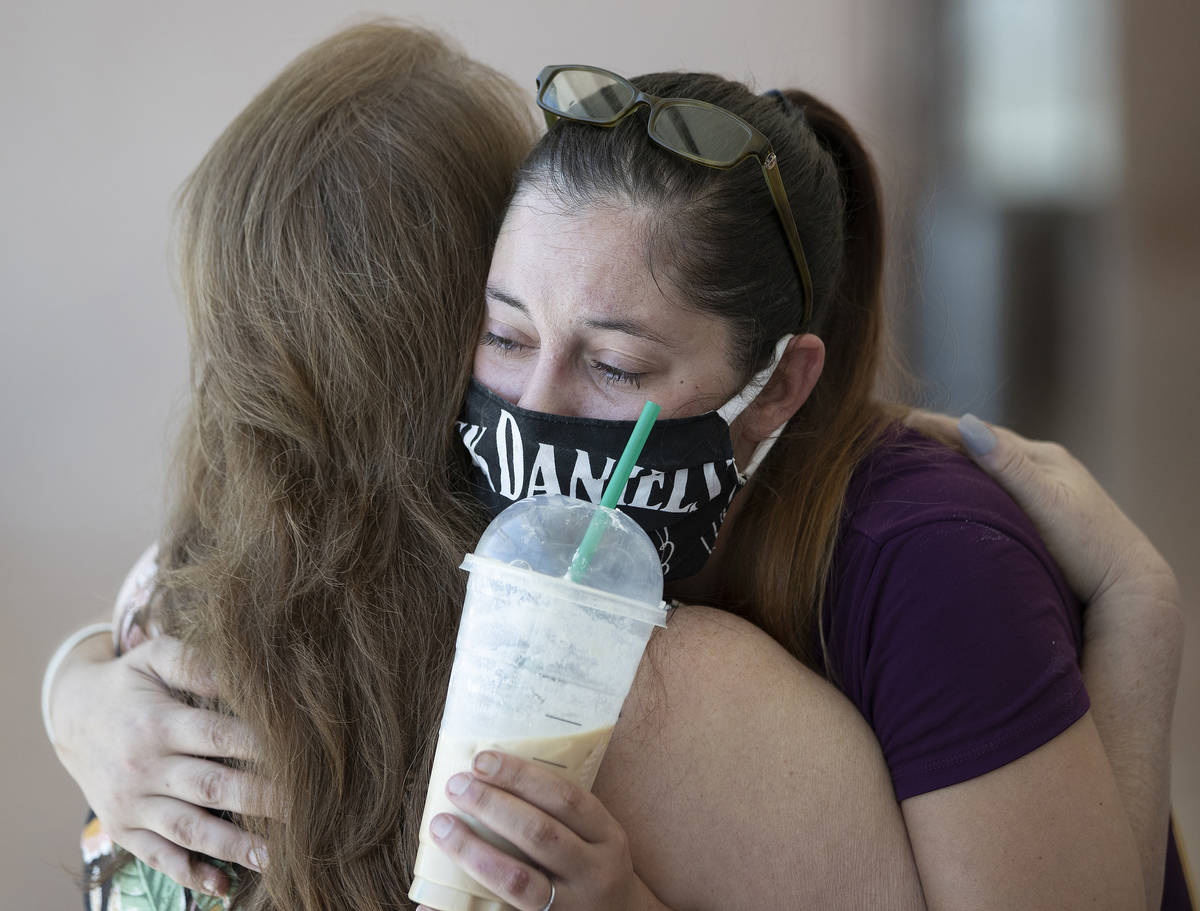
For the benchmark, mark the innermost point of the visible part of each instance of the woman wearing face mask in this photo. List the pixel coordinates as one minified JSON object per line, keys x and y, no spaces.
{"x":644,"y":256}
{"x":713,"y":685}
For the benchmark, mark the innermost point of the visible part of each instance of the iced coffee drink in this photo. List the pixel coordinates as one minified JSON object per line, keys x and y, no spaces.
{"x":545,"y":658}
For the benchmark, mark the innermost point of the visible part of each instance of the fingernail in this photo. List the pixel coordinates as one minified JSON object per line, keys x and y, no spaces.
{"x":440,"y":826}
{"x":487,"y":763}
{"x":257,"y":859}
{"x":976,"y":435}
{"x":210,"y":886}
{"x":458,"y":783}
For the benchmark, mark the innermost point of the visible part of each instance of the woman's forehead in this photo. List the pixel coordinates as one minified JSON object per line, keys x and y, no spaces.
{"x":586,"y":260}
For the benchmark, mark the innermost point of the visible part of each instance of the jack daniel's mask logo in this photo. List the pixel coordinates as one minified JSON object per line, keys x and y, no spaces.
{"x":678,"y":492}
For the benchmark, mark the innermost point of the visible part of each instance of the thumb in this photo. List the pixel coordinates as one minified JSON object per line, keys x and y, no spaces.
{"x":165,"y":658}
{"x":998,"y":453}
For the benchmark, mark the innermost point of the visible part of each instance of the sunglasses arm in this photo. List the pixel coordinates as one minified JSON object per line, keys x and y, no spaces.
{"x":770,"y":170}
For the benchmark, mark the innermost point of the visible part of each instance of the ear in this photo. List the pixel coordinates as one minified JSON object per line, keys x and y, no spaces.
{"x":787,"y":390}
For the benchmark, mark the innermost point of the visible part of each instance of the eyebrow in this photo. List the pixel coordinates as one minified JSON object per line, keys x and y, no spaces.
{"x":627,"y":326}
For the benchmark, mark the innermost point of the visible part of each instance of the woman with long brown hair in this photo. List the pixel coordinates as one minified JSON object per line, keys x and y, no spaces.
{"x":333,"y":245}
{"x":334,"y":250}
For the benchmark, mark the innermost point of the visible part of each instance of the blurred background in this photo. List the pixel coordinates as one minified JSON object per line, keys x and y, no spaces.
{"x":1040,"y":167}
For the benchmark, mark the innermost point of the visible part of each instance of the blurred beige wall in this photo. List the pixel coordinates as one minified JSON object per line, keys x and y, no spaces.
{"x":1155,"y":436}
{"x":106,"y":107}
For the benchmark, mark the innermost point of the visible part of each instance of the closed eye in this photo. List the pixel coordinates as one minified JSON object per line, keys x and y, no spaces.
{"x":500,"y":341}
{"x":613,"y":375}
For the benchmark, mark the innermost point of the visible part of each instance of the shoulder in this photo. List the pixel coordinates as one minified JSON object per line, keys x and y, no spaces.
{"x":725,"y":742}
{"x":929,"y":539}
{"x":709,"y":660}
{"x":933,"y":549}
{"x":709,"y":686}
{"x":950,"y":626}
{"x":909,"y":481}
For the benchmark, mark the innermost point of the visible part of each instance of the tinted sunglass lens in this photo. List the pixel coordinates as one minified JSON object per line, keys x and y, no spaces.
{"x":585,"y":95}
{"x":705,"y":133}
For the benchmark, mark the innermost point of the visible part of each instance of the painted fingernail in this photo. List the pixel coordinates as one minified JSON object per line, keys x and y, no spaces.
{"x":440,"y":826}
{"x":976,"y":435}
{"x":458,"y":783}
{"x":487,"y":763}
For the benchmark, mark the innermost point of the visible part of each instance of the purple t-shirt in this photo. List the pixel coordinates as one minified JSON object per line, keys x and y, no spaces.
{"x":948,"y":623}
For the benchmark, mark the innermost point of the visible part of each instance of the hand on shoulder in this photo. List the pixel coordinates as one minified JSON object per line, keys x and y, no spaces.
{"x":1097,"y":546}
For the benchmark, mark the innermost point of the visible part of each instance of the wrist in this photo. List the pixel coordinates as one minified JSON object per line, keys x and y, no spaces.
{"x":1144,"y":585}
{"x":1137,"y":569}
{"x":1137,"y":624}
{"x":61,"y":657}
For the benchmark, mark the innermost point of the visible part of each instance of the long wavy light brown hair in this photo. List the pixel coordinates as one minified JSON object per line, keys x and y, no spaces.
{"x":333,"y":251}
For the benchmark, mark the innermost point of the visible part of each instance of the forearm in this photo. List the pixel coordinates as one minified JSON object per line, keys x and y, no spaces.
{"x":1132,"y":649}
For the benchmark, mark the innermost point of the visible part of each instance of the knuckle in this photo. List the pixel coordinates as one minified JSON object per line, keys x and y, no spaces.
{"x":155,"y":859}
{"x":212,"y":787}
{"x":512,"y":776}
{"x":456,"y":843}
{"x":149,"y":727}
{"x":236,"y":848}
{"x":1008,"y":461}
{"x":161,"y":729}
{"x":571,"y":798}
{"x":517,"y":880}
{"x":1055,"y":451}
{"x":131,"y":768}
{"x":539,"y":831}
{"x":481,"y":798}
{"x":217,"y":736}
{"x":183,"y":830}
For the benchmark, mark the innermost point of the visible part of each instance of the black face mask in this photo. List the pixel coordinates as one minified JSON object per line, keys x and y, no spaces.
{"x":678,"y":492}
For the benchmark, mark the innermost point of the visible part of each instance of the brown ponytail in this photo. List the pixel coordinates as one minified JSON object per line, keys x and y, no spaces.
{"x":780,"y":551}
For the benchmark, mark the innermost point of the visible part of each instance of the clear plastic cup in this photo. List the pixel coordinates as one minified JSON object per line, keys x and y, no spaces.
{"x":543,"y":662}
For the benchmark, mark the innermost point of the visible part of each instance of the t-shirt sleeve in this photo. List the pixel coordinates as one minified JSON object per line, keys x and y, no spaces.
{"x":972,"y":658}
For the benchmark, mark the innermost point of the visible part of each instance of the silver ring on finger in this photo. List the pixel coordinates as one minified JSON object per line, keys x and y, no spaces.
{"x":551,"y":900}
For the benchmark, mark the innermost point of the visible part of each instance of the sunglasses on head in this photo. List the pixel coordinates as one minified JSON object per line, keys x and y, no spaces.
{"x":696,"y":130}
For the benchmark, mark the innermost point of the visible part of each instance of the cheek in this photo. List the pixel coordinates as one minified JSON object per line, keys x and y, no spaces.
{"x":504,"y":376}
{"x":696,"y":393}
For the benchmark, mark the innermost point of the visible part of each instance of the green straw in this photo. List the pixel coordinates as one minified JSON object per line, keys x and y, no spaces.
{"x":612,"y":492}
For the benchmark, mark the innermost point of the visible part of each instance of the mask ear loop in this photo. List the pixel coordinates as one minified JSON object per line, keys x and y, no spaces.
{"x":736,"y":405}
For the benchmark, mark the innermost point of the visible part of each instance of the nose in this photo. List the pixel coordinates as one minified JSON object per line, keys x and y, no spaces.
{"x":548,"y":389}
